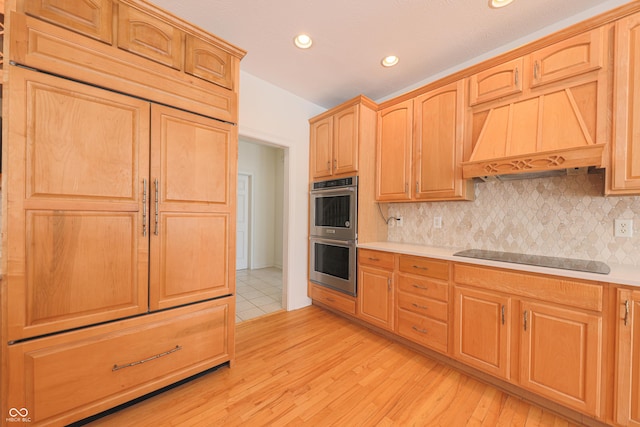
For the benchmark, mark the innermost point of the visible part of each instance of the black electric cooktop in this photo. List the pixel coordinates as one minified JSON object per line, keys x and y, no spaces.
{"x":538,"y":260}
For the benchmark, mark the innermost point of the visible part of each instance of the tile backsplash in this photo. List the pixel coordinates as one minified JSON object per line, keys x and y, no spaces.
{"x":562,"y":216}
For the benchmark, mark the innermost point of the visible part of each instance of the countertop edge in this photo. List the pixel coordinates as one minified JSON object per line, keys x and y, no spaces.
{"x":628,"y":275}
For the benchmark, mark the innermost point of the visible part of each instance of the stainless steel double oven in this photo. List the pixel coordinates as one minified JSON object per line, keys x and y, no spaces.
{"x":333,"y":233}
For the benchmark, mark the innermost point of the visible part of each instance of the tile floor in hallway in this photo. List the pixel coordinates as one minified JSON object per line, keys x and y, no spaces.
{"x":258,"y":292}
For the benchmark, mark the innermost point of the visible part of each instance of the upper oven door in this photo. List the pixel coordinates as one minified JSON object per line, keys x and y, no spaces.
{"x":333,"y":213}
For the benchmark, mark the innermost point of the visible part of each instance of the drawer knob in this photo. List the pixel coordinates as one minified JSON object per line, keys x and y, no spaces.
{"x":117,"y":367}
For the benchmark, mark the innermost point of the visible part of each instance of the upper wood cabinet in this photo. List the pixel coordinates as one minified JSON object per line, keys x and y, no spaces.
{"x":623,"y":177}
{"x":335,"y":139}
{"x":627,"y":408}
{"x":393,"y":152}
{"x":438,"y":144}
{"x":90,"y":18}
{"x":496,"y":82}
{"x":420,"y":147}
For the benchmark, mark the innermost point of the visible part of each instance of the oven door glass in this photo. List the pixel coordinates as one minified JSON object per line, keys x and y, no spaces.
{"x":333,"y":214}
{"x":333,"y":264}
{"x":333,"y":211}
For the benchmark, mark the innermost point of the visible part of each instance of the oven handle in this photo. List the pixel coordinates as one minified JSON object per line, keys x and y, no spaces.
{"x":333,"y":191}
{"x":344,"y":243}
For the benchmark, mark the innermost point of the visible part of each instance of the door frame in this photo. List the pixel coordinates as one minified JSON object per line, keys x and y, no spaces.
{"x":249,"y":219}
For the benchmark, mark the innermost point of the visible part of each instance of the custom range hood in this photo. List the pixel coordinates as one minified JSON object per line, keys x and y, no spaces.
{"x":557,"y":131}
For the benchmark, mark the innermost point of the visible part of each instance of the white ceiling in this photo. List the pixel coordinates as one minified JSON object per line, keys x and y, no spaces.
{"x":351,"y":37}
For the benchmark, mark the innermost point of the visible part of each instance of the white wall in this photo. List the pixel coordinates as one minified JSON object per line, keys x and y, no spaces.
{"x":261,"y":162}
{"x":271,"y":115}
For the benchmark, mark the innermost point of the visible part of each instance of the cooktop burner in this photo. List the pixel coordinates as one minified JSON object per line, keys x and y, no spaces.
{"x":538,"y":260}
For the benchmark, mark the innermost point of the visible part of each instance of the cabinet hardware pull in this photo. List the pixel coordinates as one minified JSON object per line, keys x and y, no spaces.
{"x":388,"y":284}
{"x":417,"y":187}
{"x":422,"y":331}
{"x":406,"y":188}
{"x":423,"y":307}
{"x":117,"y":367}
{"x":420,"y":287}
{"x":335,"y":164}
{"x":420,"y":268}
{"x":516,"y":76}
{"x":330,"y":299}
{"x":626,"y":312}
{"x":156,"y":204}
{"x":374,"y":259}
{"x":328,"y":165}
{"x":525,"y":320}
{"x":502,"y":314}
{"x":144,"y":207}
{"x":535,"y":70}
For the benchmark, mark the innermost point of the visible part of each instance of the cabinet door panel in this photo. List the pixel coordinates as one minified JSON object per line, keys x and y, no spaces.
{"x":439,"y":118}
{"x":91,"y":18}
{"x":393,"y":155}
{"x":626,"y":142}
{"x":76,"y":190}
{"x":345,"y":141}
{"x":209,"y":62}
{"x":628,"y":358}
{"x":482,"y":331}
{"x":193,"y":242}
{"x":561,"y":355}
{"x":375,"y":296}
{"x":321,"y":148}
{"x":496,"y":82}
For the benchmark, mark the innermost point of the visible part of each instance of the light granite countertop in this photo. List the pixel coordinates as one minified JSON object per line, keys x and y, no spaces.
{"x":620,"y":274}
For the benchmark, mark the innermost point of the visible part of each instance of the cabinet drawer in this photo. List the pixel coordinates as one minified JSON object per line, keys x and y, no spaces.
{"x":423,"y":287}
{"x":70,"y":376}
{"x":424,"y":267}
{"x":423,"y":306}
{"x":375,"y":258}
{"x":149,"y":37}
{"x":333,"y":299}
{"x":423,"y":330}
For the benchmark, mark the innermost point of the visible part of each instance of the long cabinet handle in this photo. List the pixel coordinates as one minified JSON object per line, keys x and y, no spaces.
{"x":626,"y":312}
{"x":144,"y":207}
{"x":502,"y":314}
{"x":157,"y":185}
{"x":388,"y":284}
{"x":525,"y":320}
{"x":117,"y":367}
{"x":536,"y":66}
{"x":516,"y":77}
{"x":328,"y":165}
{"x":420,"y":267}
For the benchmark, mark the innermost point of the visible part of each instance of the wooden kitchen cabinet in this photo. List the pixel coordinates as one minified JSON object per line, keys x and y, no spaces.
{"x":482,"y":333}
{"x":623,"y":177}
{"x":335,"y":139}
{"x":496,"y":82}
{"x":394,"y":152}
{"x":420,"y":148}
{"x":438,"y":144}
{"x":627,"y":408}
{"x":561,"y":355}
{"x":376,"y":288}
{"x":332,"y":299}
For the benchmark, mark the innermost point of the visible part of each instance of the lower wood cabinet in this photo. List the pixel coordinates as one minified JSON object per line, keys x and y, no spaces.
{"x":482,"y":334}
{"x":627,"y":408}
{"x":376,"y":288}
{"x":70,"y":376}
{"x":561,"y":355}
{"x":333,"y":299}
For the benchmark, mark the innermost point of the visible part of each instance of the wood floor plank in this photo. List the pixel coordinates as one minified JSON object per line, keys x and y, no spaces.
{"x":310,"y":367}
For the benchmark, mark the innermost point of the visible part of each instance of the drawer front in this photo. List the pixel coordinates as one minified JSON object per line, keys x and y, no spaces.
{"x":423,"y":287}
{"x":333,"y":299}
{"x":424,"y":267}
{"x":424,"y":306}
{"x":376,"y":258}
{"x":70,"y":376}
{"x":423,"y":330}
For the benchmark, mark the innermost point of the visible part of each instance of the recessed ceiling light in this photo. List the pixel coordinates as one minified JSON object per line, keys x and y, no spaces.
{"x":389,"y":61}
{"x":303,"y":41}
{"x":499,"y":3}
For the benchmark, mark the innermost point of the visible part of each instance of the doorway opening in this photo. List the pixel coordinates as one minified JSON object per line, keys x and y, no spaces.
{"x":260,"y":288}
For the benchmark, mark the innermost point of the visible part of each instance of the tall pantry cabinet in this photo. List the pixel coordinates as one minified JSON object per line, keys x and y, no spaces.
{"x":118,"y":205}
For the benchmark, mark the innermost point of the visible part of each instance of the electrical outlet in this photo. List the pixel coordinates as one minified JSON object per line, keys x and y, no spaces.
{"x":437,"y":222}
{"x":399,"y":221}
{"x":623,"y":228}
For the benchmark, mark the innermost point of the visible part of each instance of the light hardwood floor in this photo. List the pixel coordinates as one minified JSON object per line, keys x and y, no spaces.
{"x":312,"y":368}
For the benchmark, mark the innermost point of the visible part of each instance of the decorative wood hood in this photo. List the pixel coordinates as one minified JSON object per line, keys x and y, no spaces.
{"x":549,"y":132}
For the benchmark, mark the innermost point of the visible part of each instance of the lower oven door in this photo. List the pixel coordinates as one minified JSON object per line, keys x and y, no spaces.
{"x":333,"y":264}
